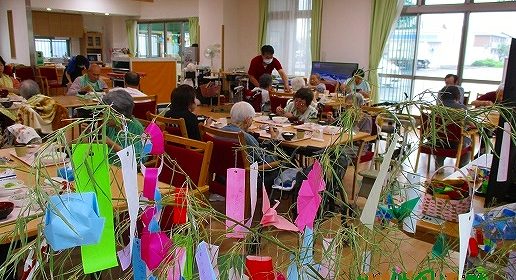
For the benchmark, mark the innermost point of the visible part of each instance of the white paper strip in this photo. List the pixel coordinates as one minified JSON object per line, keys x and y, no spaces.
{"x":129,"y":175}
{"x":253,"y":189}
{"x":504,"y":154}
{"x":369,"y":212}
{"x":409,"y":223}
{"x":465,"y":226}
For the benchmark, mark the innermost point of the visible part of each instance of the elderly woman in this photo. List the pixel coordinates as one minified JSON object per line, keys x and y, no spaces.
{"x":182,"y":104}
{"x":7,"y":83}
{"x":298,"y":83}
{"x":364,"y":123}
{"x":242,"y":114}
{"x":301,"y":107}
{"x":122,"y":102}
{"x":40,"y":111}
{"x":264,"y":89}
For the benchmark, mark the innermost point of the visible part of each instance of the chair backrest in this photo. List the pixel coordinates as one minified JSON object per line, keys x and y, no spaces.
{"x":24,"y":73}
{"x":9,"y":70}
{"x":60,"y":118}
{"x":255,"y":99}
{"x":186,"y":157}
{"x":144,"y":104}
{"x":467,"y":94}
{"x":171,"y":125}
{"x":226,"y":149}
{"x":330,"y":87}
{"x":48,"y":72}
{"x":277,"y":101}
{"x":448,"y":131}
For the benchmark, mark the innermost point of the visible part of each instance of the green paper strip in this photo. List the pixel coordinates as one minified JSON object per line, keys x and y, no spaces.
{"x":187,"y":242}
{"x":92,"y":174}
{"x":440,"y":248}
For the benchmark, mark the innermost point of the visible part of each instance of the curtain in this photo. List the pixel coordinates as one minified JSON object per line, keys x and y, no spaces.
{"x":288,"y":31}
{"x":131,"y":27}
{"x":384,"y":15}
{"x":193,"y":23}
{"x":262,"y":21}
{"x":317,"y":8}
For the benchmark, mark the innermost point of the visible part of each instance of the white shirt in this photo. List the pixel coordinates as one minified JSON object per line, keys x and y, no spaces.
{"x":265,"y":94}
{"x":132,"y":91}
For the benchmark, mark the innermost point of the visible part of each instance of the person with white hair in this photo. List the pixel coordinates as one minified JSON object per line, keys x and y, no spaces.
{"x":242,"y":114}
{"x":297,"y":83}
{"x":364,"y":123}
{"x":489,"y":98}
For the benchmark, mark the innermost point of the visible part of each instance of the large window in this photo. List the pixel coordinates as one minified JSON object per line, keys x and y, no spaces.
{"x":433,"y":38}
{"x":288,"y":31}
{"x":160,"y":39}
{"x":53,"y":47}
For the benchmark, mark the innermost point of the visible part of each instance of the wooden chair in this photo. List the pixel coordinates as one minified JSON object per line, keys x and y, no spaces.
{"x":23,"y":73}
{"x":450,"y":141}
{"x":182,"y":164}
{"x":277,"y":100}
{"x":171,"y":125}
{"x":144,"y":104}
{"x":49,"y":79}
{"x":467,"y":94}
{"x":365,"y":155}
{"x":227,"y":153}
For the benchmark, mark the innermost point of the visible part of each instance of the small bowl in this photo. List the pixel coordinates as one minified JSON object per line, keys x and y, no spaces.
{"x":288,"y":135}
{"x":52,"y":158}
{"x":272,"y":115}
{"x":280,"y":119}
{"x":6,"y":207}
{"x":7,"y":104}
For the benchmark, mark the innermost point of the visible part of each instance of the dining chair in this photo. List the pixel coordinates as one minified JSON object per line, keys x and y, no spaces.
{"x":276,"y":101}
{"x":49,"y":79}
{"x":330,"y":86}
{"x":144,"y":104}
{"x":255,"y":99}
{"x":172,"y":126}
{"x":450,"y":142}
{"x":184,"y":168}
{"x":467,"y":94}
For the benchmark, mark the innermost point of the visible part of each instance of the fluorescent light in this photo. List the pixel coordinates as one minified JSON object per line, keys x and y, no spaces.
{"x":106,"y":14}
{"x":48,"y":9}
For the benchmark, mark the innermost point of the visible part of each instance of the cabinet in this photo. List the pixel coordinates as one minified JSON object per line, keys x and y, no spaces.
{"x":91,"y":43}
{"x":57,"y":24}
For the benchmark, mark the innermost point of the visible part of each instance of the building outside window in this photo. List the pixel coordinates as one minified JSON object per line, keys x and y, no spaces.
{"x":161,"y":39}
{"x":432,"y":38}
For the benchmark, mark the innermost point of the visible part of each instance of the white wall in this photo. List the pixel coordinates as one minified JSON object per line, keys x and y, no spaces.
{"x":169,"y":9}
{"x":21,"y":33}
{"x":345,"y":31}
{"x":210,"y":23}
{"x":116,"y":7}
{"x":248,"y":31}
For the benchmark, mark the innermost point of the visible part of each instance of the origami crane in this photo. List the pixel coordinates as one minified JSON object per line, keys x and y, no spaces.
{"x":271,"y":217}
{"x":309,"y":199}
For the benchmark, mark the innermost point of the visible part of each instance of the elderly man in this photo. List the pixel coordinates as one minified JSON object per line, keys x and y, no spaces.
{"x":122,"y":102}
{"x":88,"y":82}
{"x":453,"y":80}
{"x":132,"y":82}
{"x":357,"y":83}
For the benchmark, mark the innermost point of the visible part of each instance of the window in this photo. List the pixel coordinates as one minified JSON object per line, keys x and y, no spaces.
{"x":288,"y":31}
{"x":53,"y":47}
{"x":159,"y":39}
{"x":433,"y":38}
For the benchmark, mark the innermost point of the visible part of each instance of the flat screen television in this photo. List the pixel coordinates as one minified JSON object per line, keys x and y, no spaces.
{"x":503,"y":192}
{"x":334,"y":71}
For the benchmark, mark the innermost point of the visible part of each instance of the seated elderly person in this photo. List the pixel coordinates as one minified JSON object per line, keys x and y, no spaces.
{"x":88,"y":82}
{"x":40,"y":111}
{"x":301,"y":108}
{"x":449,"y":96}
{"x":364,"y":122}
{"x":122,"y":102}
{"x":490,"y":98}
{"x":297,"y":83}
{"x":357,"y":83}
{"x":264,"y":89}
{"x":7,"y":83}
{"x":242,"y":114}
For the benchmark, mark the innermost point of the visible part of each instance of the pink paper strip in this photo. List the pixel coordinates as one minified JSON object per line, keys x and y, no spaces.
{"x":309,"y":200}
{"x":150,"y":182}
{"x":156,"y":138}
{"x":235,"y":202}
{"x":174,"y":272}
{"x":155,"y":247}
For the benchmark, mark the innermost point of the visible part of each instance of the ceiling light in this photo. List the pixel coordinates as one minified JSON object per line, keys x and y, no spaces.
{"x":48,"y":9}
{"x":106,"y":14}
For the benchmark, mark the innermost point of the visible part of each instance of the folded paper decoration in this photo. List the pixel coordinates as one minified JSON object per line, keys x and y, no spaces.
{"x":156,"y":138}
{"x":150,"y":182}
{"x":309,"y":199}
{"x":72,"y":220}
{"x":204,"y":265}
{"x":235,"y":202}
{"x":179,"y":261}
{"x":259,"y":268}
{"x":270,"y":215}
{"x":90,"y":162}
{"x":155,"y":248}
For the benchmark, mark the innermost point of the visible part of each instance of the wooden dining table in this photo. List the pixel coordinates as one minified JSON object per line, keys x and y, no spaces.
{"x":26,"y":173}
{"x":73,"y":101}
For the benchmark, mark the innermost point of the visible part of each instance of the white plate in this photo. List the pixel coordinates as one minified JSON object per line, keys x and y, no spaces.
{"x":262,"y":119}
{"x":12,"y":184}
{"x":52,"y":158}
{"x":8,"y":193}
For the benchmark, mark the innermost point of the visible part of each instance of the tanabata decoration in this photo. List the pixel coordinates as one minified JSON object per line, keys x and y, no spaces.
{"x":180,"y":207}
{"x":498,"y":224}
{"x":72,"y":220}
{"x":259,"y":268}
{"x":465,"y":227}
{"x":156,"y":138}
{"x":235,"y":202}
{"x":270,"y":215}
{"x":440,"y":247}
{"x":88,"y":159}
{"x":204,"y":263}
{"x":309,"y":199}
{"x":392,"y":211}
{"x":179,"y":260}
{"x":182,"y":241}
{"x":305,"y":268}
{"x":155,"y":247}
{"x":139,"y":267}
